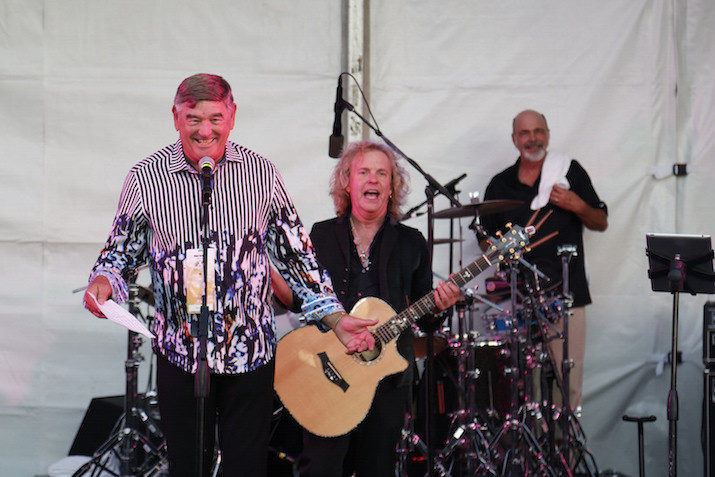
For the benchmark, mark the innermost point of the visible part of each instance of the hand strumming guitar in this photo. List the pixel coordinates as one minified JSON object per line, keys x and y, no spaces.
{"x":352,"y":331}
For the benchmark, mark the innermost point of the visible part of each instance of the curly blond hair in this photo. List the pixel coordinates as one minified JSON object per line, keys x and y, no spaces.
{"x":341,"y":178}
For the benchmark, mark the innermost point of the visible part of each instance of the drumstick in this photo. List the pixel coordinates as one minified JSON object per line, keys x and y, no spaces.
{"x":543,"y":219}
{"x":542,"y":240}
{"x":533,"y":217}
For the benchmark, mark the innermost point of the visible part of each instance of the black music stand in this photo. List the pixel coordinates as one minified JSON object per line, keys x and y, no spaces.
{"x":678,"y":263}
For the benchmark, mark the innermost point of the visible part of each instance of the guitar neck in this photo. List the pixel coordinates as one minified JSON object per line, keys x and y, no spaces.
{"x":392,"y":328}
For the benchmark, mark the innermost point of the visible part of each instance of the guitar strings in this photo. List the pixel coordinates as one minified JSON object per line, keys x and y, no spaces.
{"x":387,"y":332}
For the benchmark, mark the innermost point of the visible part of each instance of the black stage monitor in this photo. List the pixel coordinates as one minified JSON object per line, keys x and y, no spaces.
{"x":680,"y":263}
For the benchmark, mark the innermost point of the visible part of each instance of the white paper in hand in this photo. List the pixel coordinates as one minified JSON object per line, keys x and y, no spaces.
{"x":119,"y":315}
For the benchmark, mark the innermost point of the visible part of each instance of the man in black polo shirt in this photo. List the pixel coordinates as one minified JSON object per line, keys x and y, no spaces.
{"x":551,"y":181}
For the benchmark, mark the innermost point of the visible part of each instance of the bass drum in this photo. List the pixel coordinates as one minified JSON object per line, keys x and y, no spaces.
{"x":488,"y":359}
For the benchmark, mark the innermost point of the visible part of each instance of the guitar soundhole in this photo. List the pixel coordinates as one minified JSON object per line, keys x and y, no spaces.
{"x":371,"y":354}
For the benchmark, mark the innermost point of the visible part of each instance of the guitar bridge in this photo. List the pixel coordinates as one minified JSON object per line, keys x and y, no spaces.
{"x":331,"y":373}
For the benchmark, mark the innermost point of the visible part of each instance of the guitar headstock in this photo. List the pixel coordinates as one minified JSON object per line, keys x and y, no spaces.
{"x":510,"y":243}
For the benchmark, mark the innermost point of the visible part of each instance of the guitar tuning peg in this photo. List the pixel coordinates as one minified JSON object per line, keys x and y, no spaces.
{"x":508,"y":225}
{"x":528,"y":249}
{"x":511,"y":250}
{"x":501,"y":257}
{"x":503,"y":239}
{"x":498,"y":234}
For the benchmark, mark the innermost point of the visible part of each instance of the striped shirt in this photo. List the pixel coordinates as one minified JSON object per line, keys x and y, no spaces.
{"x":251,"y":218}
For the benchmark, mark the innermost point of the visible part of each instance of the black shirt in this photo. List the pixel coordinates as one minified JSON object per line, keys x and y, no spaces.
{"x":363,"y":282}
{"x":506,"y":185}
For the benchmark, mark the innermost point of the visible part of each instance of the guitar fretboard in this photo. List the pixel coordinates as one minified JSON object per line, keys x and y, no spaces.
{"x":397,"y":324}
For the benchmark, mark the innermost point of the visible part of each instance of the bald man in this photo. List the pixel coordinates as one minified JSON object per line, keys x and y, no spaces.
{"x":552,"y":181}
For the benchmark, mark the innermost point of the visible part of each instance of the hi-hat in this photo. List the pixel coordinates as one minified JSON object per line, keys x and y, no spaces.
{"x":143,"y":293}
{"x":478,"y":208}
{"x":447,"y":240}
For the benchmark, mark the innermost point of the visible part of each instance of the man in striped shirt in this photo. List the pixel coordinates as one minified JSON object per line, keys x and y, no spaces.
{"x":251,"y":218}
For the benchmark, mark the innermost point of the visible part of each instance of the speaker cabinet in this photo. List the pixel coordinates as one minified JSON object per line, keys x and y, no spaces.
{"x":708,"y":428}
{"x":99,"y":421}
{"x":709,"y":334}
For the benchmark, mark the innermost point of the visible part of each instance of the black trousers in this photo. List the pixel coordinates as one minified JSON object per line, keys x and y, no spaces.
{"x":240,"y":404}
{"x":369,"y":449}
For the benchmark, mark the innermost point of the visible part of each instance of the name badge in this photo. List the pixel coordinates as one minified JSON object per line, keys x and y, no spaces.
{"x":194,"y":279}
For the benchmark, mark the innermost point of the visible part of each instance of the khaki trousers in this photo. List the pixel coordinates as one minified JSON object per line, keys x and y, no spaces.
{"x":577,"y":352}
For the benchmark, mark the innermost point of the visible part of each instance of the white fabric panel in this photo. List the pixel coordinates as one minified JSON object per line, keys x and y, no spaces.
{"x":447,"y":80}
{"x":87,"y":89}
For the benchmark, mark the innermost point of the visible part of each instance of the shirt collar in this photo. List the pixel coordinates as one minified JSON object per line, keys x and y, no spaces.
{"x":178,"y":161}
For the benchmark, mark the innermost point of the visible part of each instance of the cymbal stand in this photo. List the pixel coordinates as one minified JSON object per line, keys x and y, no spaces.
{"x":573,"y":435}
{"x":465,"y":430}
{"x":128,"y":445}
{"x":545,"y":314}
{"x":515,"y":425}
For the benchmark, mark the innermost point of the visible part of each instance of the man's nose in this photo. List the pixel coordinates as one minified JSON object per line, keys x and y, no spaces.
{"x":205,"y":128}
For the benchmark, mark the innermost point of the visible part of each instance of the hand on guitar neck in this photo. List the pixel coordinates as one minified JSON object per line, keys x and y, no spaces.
{"x":352,"y":331}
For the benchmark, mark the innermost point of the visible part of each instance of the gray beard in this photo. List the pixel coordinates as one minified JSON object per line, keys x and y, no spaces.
{"x":534,"y":157}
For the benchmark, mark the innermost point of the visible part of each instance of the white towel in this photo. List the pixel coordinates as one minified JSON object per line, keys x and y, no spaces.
{"x":553,"y":172}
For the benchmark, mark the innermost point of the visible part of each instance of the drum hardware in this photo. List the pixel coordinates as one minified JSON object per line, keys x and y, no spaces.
{"x":139,"y":444}
{"x":499,"y":371}
{"x":566,"y":252}
{"x":466,"y":447}
{"x":439,"y":241}
{"x":521,"y":451}
{"x":547,"y":311}
{"x":470,"y":292}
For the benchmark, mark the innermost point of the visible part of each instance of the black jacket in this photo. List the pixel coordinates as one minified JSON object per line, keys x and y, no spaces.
{"x":404,"y":270}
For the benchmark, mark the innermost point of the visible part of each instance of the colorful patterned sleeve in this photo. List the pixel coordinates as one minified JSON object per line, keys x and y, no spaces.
{"x":294,"y":258}
{"x":126,"y":247}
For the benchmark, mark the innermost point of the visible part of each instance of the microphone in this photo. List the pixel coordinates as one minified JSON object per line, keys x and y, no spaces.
{"x":206,"y":166}
{"x":337,"y":139}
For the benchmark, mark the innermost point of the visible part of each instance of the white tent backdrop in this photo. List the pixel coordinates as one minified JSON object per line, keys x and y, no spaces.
{"x":86,"y":91}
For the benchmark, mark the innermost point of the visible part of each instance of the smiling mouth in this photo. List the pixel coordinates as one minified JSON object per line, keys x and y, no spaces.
{"x":371,"y":194}
{"x":204,"y":142}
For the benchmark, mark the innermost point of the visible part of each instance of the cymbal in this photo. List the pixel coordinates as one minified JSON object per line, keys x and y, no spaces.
{"x":447,"y":240}
{"x":478,"y":208}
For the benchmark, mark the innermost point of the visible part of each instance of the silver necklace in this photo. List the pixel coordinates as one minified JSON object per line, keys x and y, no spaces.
{"x":363,"y":255}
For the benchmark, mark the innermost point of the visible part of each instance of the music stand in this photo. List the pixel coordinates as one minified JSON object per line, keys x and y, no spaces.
{"x":678,"y":263}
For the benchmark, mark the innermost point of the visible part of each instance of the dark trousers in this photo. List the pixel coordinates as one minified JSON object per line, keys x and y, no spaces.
{"x":241,"y":405}
{"x":367,"y":450}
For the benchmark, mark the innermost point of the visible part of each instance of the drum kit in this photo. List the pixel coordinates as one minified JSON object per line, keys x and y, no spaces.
{"x":500,"y":403}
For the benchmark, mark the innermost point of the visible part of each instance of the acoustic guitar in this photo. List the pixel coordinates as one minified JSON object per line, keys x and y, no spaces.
{"x":330,"y":392}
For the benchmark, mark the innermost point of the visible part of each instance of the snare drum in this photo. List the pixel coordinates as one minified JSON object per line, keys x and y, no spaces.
{"x":439,"y":342}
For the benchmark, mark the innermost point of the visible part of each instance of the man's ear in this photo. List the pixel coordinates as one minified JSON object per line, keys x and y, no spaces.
{"x":175,"y":112}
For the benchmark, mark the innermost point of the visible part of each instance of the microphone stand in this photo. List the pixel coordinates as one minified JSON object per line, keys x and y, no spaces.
{"x":451,"y":186}
{"x":202,"y":383}
{"x":430,"y":180}
{"x":433,"y":185}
